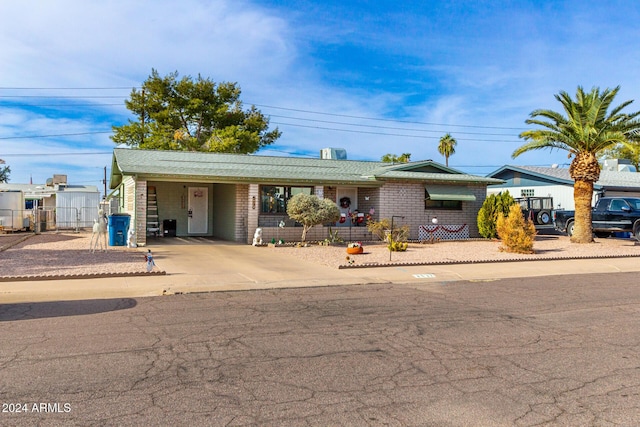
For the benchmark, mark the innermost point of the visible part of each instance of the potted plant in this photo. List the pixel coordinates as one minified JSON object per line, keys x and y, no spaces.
{"x":354,"y":248}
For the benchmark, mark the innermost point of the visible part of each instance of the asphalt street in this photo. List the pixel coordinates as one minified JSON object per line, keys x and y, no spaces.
{"x":558,"y":350}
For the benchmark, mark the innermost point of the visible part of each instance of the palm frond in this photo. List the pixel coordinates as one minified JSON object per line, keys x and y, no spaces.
{"x":589,"y":124}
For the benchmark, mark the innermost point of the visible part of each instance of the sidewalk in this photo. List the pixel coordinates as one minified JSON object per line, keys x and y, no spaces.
{"x":224,"y":266}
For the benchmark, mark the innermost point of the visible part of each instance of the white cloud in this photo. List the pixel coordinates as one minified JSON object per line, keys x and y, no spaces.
{"x":75,"y":43}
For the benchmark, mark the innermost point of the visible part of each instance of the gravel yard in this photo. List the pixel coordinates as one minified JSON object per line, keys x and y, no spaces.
{"x":55,"y":255}
{"x":448,"y":252}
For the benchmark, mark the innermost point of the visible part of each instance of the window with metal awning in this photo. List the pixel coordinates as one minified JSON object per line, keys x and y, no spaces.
{"x":448,"y":193}
{"x":446,"y":196}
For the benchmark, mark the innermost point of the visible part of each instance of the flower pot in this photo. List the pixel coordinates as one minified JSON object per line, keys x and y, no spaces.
{"x":355,"y":251}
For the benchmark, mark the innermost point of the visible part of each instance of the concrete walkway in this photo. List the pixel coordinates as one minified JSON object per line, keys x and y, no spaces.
{"x":222,"y":266}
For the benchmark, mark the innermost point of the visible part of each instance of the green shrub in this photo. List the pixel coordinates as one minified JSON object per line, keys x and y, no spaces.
{"x":516,"y":233}
{"x":396,"y":246}
{"x":494,"y":206}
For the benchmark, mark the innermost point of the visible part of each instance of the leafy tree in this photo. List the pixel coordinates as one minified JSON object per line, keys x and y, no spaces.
{"x":310,"y":210}
{"x":516,"y":233}
{"x":192,"y":115}
{"x":629,"y":152}
{"x":495,"y":206}
{"x":447,"y":147}
{"x":585,"y":132}
{"x":4,"y":172}
{"x":392,"y":158}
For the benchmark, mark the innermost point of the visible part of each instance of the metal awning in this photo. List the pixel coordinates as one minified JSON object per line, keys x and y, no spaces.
{"x":449,"y":192}
{"x":37,"y":196}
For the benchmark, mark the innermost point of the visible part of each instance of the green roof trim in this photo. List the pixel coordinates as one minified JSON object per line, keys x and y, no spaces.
{"x":250,"y":168}
{"x":449,"y":192}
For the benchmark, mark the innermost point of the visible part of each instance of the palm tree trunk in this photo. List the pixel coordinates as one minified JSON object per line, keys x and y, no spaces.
{"x":582,"y":195}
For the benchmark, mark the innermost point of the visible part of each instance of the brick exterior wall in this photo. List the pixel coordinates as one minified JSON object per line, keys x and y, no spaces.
{"x":252,"y":217}
{"x":369,"y":198}
{"x":407,"y":199}
{"x":330,"y":193}
{"x":243,"y":205}
{"x":292,"y":233}
{"x":394,"y":198}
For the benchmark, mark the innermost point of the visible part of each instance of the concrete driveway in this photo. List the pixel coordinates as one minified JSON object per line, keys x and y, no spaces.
{"x":207,"y":265}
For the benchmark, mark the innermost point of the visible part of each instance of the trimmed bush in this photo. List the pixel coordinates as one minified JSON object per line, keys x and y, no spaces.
{"x":310,"y":210}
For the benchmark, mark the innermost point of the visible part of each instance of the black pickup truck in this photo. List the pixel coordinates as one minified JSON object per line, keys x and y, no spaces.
{"x":611,"y":214}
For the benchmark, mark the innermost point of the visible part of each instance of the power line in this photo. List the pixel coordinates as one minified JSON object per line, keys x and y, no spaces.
{"x":53,"y":135}
{"x":69,"y":88}
{"x":56,"y":154}
{"x":258,"y":105}
{"x":295,"y":125}
{"x":62,"y":96}
{"x":384,"y":127}
{"x":385,"y":120}
{"x":95,"y":104}
{"x":386,"y":134}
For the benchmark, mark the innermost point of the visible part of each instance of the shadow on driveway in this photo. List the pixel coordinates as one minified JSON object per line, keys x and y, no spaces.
{"x":41,"y":310}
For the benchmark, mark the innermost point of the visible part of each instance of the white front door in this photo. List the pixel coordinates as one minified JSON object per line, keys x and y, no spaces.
{"x":198,"y":210}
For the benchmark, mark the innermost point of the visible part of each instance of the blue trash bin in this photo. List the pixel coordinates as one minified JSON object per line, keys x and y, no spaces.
{"x":118,"y":229}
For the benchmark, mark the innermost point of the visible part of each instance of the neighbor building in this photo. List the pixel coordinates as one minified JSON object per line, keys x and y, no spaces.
{"x":617,"y":178}
{"x":57,"y":204}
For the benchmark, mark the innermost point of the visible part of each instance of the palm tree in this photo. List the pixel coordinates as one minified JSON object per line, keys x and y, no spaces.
{"x":392,"y":158}
{"x":447,"y":147}
{"x":585,"y":132}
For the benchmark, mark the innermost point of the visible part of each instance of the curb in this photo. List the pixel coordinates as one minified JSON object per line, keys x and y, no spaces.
{"x":418,"y":263}
{"x":79,"y":276}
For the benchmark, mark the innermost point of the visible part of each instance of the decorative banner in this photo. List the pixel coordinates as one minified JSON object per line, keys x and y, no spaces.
{"x":443,"y":232}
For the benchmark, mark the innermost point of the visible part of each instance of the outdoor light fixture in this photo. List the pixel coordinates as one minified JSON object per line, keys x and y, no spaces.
{"x":253,"y":202}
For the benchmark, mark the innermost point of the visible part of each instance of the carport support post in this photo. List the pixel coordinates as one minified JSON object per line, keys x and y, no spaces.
{"x":391,"y":233}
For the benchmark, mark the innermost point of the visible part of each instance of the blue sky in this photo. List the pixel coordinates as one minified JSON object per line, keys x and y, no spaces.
{"x":373,"y":77}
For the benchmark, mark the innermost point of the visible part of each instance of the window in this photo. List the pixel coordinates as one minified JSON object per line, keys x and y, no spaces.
{"x":446,"y":197}
{"x":617,"y":205}
{"x":274,"y":198}
{"x":443,"y":204}
{"x":527,"y":192}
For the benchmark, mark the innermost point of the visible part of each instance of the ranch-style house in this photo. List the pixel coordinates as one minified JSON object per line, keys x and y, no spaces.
{"x":229,"y":196}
